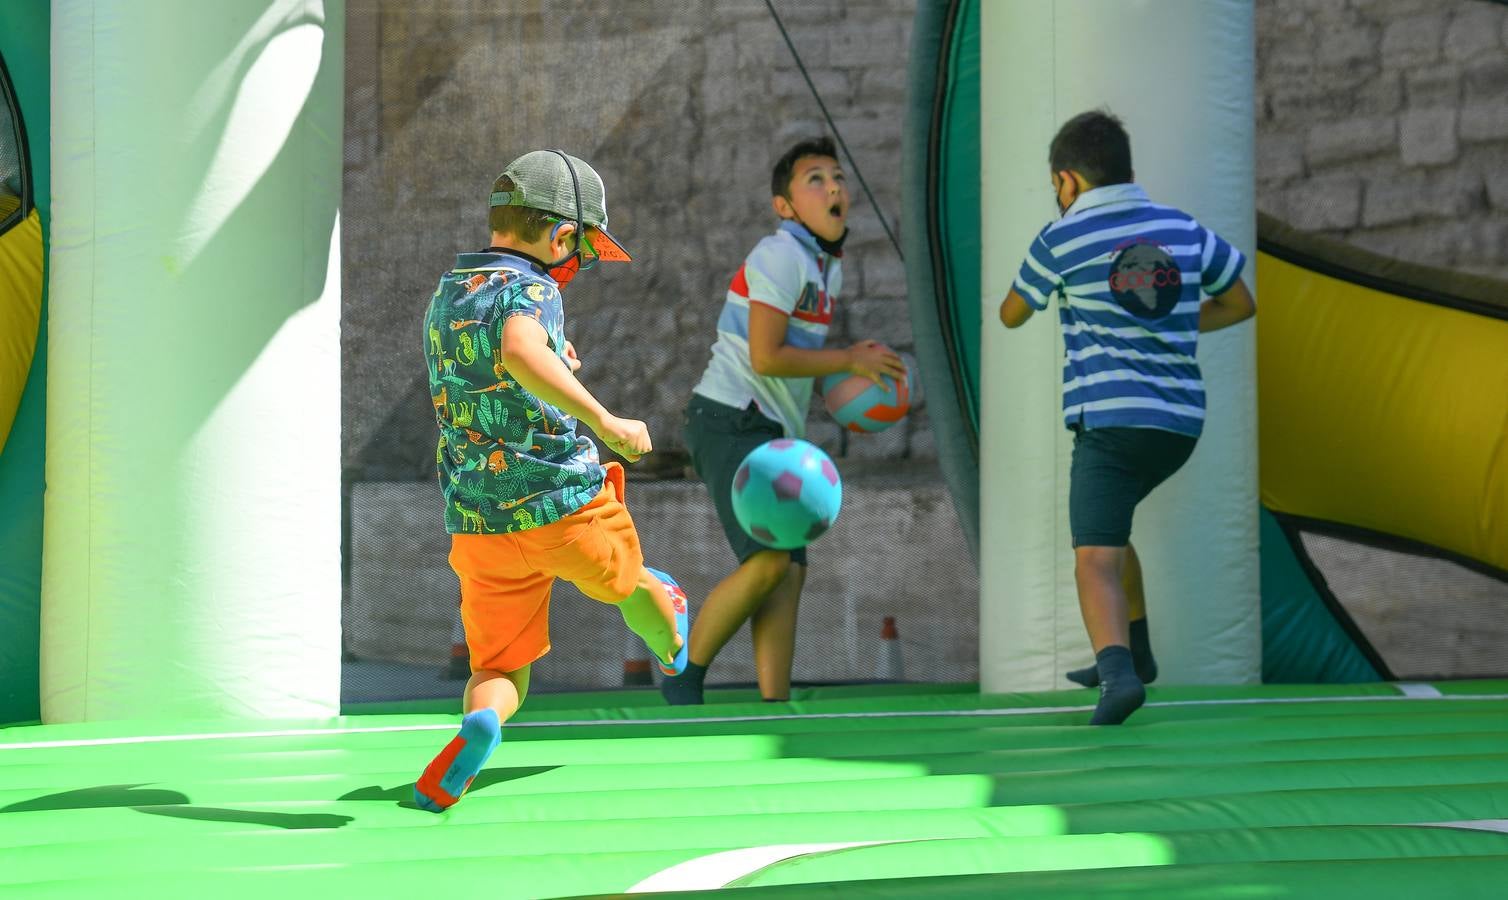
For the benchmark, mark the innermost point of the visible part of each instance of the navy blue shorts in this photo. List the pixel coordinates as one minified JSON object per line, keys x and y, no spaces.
{"x":719,"y":437}
{"x":1113,"y":470}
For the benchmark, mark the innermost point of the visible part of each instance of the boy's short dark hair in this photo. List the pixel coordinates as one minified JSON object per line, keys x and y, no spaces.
{"x":523,"y":222}
{"x":780,"y":178}
{"x":1095,"y":145}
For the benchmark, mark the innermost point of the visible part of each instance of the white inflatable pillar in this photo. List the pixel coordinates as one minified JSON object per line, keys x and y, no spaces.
{"x":1180,"y":75}
{"x":192,"y":536}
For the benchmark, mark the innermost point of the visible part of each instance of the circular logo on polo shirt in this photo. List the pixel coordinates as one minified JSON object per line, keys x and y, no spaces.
{"x":1145,"y":281}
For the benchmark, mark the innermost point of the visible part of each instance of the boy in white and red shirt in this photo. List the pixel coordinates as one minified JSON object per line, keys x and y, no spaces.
{"x":757,"y":387}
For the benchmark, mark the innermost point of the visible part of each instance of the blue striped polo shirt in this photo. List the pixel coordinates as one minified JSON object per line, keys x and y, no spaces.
{"x":1131,"y":275}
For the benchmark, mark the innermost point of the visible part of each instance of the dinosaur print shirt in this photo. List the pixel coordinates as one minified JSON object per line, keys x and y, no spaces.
{"x":507,"y":460}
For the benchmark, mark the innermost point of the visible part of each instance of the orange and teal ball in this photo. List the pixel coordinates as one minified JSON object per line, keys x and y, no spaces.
{"x":859,"y":404}
{"x":786,"y":493}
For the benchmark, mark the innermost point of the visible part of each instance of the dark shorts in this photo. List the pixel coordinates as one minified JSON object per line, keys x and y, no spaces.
{"x":719,"y":437}
{"x":1113,"y":470}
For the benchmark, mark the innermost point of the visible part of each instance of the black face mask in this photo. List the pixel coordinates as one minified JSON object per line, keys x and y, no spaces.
{"x":831,"y":248}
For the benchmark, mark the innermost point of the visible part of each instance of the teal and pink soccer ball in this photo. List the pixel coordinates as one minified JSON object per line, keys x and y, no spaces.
{"x":859,"y":404}
{"x":786,"y":493}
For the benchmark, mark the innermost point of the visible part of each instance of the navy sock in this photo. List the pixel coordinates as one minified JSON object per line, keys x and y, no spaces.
{"x":1141,"y":655}
{"x":1121,"y":692}
{"x":684,"y":689}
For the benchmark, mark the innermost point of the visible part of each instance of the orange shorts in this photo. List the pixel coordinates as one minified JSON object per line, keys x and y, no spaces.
{"x":506,"y":578}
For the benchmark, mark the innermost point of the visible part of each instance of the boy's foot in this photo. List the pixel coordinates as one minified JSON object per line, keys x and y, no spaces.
{"x":682,"y":623}
{"x":1141,"y":656}
{"x":448,"y":775}
{"x":684,"y":689}
{"x":1118,"y":701}
{"x":1089,"y":676}
{"x":1121,"y":692}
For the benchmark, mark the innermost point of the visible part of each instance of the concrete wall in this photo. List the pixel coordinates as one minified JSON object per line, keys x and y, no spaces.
{"x":1385,"y":123}
{"x":1380,"y":121}
{"x":404,"y":595}
{"x":682,"y":106}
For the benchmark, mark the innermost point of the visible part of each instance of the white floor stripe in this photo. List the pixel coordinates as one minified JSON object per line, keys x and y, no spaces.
{"x":589,"y":723}
{"x":1419,"y":690}
{"x":1472,"y":825}
{"x":218,"y":736}
{"x":718,"y":869}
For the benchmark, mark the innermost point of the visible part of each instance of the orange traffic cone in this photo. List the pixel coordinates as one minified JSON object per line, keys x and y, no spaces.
{"x":636,"y":664}
{"x":887,"y":664}
{"x":458,"y":668}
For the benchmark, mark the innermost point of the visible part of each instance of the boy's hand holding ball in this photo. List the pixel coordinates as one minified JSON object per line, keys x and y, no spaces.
{"x":874,"y":360}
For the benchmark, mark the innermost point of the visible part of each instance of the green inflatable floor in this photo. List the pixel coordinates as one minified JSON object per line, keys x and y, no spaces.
{"x":936,"y":791}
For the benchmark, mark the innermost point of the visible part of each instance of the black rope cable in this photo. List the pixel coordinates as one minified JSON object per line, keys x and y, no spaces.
{"x":884,"y":223}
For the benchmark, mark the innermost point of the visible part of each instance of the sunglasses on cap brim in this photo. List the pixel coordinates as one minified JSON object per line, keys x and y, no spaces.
{"x":597,"y":245}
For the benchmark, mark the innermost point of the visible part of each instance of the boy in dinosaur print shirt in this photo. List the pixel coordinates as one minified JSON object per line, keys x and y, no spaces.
{"x":527,"y":500}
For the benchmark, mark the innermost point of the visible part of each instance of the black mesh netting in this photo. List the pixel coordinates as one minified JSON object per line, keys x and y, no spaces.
{"x":682,"y":107}
{"x":1425,"y":617}
{"x":11,"y":185}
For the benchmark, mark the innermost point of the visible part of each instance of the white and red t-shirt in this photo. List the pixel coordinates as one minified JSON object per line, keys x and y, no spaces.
{"x":786,"y":271}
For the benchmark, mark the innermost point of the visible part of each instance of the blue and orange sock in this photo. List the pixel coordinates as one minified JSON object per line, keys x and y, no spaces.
{"x":680,"y":606}
{"x":449,"y":774}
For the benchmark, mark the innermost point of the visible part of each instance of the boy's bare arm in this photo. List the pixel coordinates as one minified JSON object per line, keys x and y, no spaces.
{"x":528,"y":358}
{"x":1233,"y":306}
{"x":1014,"y":310}
{"x":771,"y":356}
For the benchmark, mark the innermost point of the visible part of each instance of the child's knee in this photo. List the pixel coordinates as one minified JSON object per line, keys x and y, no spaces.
{"x":769,"y":565}
{"x":1098,"y":560}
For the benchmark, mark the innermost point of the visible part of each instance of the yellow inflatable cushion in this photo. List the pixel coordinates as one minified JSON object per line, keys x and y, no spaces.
{"x":20,"y":310}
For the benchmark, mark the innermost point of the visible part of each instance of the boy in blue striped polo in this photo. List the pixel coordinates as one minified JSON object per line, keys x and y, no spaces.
{"x":1131,"y":276}
{"x":757,"y":387}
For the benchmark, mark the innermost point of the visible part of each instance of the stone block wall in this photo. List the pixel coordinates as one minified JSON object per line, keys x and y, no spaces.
{"x":1382,"y":122}
{"x":682,"y":106}
{"x":404,"y":596}
{"x":1385,"y":123}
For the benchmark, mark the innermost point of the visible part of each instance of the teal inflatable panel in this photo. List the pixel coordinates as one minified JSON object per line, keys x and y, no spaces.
{"x":1302,"y":643}
{"x":940,"y":172}
{"x":24,"y":45}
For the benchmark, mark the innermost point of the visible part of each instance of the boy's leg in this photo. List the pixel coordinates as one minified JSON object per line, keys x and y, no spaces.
{"x":502,"y":692}
{"x":491,"y":698}
{"x":734,"y":600}
{"x":774,"y":629}
{"x":719,"y":438}
{"x":1131,"y":583}
{"x":607,"y":564}
{"x":649,"y":613}
{"x":505,"y":614}
{"x":1102,"y":602}
{"x":725,"y":610}
{"x":1136,"y":612}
